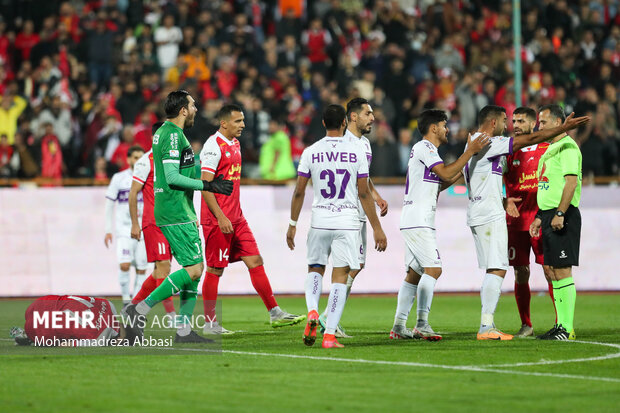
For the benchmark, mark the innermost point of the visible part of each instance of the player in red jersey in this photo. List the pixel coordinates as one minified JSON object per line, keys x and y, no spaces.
{"x":70,"y":320}
{"x":521,"y":180}
{"x":157,"y":248}
{"x":228,"y":237}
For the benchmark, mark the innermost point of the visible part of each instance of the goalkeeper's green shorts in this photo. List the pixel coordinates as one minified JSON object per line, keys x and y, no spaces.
{"x":185,"y":244}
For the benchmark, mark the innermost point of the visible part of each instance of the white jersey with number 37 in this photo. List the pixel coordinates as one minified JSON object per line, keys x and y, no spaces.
{"x":334,"y":164}
{"x":483,"y":177}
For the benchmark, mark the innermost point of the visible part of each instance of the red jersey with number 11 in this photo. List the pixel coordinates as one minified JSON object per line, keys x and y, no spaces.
{"x":521,"y":180}
{"x":221,"y":156}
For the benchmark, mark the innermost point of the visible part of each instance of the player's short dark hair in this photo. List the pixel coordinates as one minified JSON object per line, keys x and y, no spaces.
{"x":489,"y":112}
{"x":355,"y":105}
{"x":524,"y":110}
{"x":175,"y":101}
{"x":430,"y":117}
{"x":227,"y":110}
{"x":555,"y":110}
{"x":333,"y":116}
{"x":156,"y":126}
{"x":135,"y":148}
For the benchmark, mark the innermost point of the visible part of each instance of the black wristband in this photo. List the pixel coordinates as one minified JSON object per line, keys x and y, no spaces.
{"x":538,"y":215}
{"x":206,"y":185}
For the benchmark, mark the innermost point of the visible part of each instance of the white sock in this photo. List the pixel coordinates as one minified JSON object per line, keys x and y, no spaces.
{"x":275,"y":311}
{"x":138,"y":283}
{"x":349,"y":285}
{"x":314,"y":282}
{"x":489,"y":295}
{"x":335,"y":304}
{"x":426,"y":287}
{"x":143,"y":308}
{"x":406,"y":297}
{"x":123,"y":280}
{"x":184,"y":330}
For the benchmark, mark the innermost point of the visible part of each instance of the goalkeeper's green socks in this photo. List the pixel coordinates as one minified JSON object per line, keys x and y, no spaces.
{"x":173,"y":284}
{"x":186,"y":308}
{"x":565,"y":295}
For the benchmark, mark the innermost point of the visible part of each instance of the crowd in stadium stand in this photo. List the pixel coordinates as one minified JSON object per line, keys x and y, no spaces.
{"x":82,"y":81}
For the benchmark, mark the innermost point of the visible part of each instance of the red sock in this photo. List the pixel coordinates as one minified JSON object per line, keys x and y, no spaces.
{"x":147,"y":287}
{"x":262,"y":286}
{"x":167,"y":303}
{"x":209,"y":294}
{"x":523,"y":296}
{"x":553,"y":301}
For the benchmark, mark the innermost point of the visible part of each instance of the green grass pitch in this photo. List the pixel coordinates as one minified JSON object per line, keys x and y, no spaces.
{"x":372,"y":373}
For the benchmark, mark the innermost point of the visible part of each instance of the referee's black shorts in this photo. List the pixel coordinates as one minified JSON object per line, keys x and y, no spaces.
{"x":561,"y":248}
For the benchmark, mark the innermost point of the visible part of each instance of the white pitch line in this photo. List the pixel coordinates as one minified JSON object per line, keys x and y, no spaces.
{"x":578,"y":360}
{"x":484,"y":368}
{"x":404,"y":363}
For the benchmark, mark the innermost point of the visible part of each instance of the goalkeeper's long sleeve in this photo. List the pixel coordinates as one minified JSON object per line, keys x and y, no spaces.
{"x":175,"y":180}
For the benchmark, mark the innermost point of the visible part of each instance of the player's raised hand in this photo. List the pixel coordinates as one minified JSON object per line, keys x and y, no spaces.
{"x":535,"y":228}
{"x":135,"y":231}
{"x":107,"y":240}
{"x":218,"y":185}
{"x":290,"y":237}
{"x":511,"y":207}
{"x":225,"y":225}
{"x":380,"y":239}
{"x":572,"y":122}
{"x":383,"y":205}
{"x":476,"y":145}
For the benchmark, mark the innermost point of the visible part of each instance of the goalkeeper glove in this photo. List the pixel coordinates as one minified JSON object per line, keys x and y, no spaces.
{"x":218,"y":185}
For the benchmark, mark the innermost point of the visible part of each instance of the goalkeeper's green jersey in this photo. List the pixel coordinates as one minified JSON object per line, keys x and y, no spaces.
{"x":173,"y":205}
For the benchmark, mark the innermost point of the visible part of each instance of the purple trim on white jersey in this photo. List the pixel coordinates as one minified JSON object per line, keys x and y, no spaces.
{"x":430,"y":168}
{"x":111,"y":199}
{"x":362,"y":176}
{"x":304,"y":174}
{"x":510,"y":151}
{"x":430,"y":176}
{"x":337,"y":229}
{"x":417,"y":228}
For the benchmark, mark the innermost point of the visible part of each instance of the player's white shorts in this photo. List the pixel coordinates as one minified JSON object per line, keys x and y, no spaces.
{"x":362,"y":241}
{"x":421,"y":249}
{"x":132,"y":251}
{"x":342,"y":245}
{"x":491,"y":241}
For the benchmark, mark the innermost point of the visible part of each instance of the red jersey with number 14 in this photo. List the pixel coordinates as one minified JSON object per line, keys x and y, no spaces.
{"x":221,"y":156}
{"x":143,"y":173}
{"x":521,"y":181}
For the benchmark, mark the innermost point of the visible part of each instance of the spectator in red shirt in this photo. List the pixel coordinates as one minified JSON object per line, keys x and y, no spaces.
{"x":142,"y":129}
{"x":226,"y":77}
{"x":316,"y":40}
{"x":51,"y":156}
{"x":119,"y":158}
{"x":26,"y":40}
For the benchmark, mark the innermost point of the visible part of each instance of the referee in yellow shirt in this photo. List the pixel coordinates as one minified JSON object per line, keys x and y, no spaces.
{"x":559,"y":193}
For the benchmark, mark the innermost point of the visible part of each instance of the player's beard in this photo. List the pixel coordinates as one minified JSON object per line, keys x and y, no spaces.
{"x":519,"y":132}
{"x":189,"y":122}
{"x":367,"y":130}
